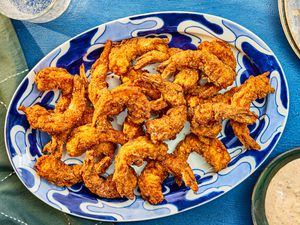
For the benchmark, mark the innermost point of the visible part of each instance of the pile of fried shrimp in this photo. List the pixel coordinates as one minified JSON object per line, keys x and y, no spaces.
{"x":187,"y":86}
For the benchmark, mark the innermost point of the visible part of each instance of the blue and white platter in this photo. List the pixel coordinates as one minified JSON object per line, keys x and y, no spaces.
{"x":185,"y":30}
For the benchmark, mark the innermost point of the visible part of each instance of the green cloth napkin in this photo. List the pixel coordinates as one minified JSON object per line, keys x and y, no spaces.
{"x":17,"y":204}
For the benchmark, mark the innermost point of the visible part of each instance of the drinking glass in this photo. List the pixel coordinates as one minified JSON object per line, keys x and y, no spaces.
{"x":36,"y":11}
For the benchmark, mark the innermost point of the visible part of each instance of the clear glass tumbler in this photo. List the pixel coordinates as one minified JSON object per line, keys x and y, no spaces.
{"x":36,"y":11}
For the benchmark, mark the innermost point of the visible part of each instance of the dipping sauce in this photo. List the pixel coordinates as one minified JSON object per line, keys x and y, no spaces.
{"x":282,"y":203}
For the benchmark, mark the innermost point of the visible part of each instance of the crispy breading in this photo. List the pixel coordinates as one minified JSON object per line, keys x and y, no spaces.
{"x":57,"y":172}
{"x":167,"y":126}
{"x":124,"y":53}
{"x":135,"y":150}
{"x":187,"y":78}
{"x":208,"y":112}
{"x":96,"y":162}
{"x":221,"y":49}
{"x":99,"y":71}
{"x":150,"y":182}
{"x":132,"y":130}
{"x":216,"y":71}
{"x":52,"y":78}
{"x":253,"y":88}
{"x":86,"y":136}
{"x":113,"y":102}
{"x":56,"y":122}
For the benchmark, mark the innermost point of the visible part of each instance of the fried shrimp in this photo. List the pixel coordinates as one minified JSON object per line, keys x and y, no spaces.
{"x":51,"y":122}
{"x":87,"y":136}
{"x":173,"y":121}
{"x":150,"y":182}
{"x":208,"y":112}
{"x":135,"y":151}
{"x":212,"y":149}
{"x":98,"y":74}
{"x":187,"y":78}
{"x":54,"y":78}
{"x":132,"y":130}
{"x":113,"y":102}
{"x":254,"y":88}
{"x":171,"y":93}
{"x":220,"y":49}
{"x":96,"y":162}
{"x":132,"y":79}
{"x":216,"y":71}
{"x":124,"y":53}
{"x":181,"y":170}
{"x":205,"y":91}
{"x":167,"y":126}
{"x":158,"y":104}
{"x":155,"y":56}
{"x":57,"y":172}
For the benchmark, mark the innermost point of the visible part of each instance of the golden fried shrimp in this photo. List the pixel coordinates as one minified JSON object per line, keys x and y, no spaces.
{"x":57,"y":172}
{"x":124,"y":53}
{"x":242,"y":132}
{"x":181,"y":170}
{"x":98,"y":74}
{"x":158,"y":105}
{"x":211,"y":129}
{"x":155,"y":56}
{"x":168,"y":126}
{"x":205,"y":91}
{"x":63,"y":103}
{"x":207,"y":112}
{"x":132,"y":78}
{"x":86,"y":136}
{"x":150,"y":182}
{"x":221,"y":49}
{"x":56,"y":146}
{"x":130,"y":153}
{"x":216,"y":71}
{"x":214,"y":152}
{"x":54,"y":78}
{"x":96,"y":162}
{"x":171,"y":93}
{"x":254,"y":88}
{"x":51,"y":122}
{"x":212,"y":149}
{"x":187,"y":78}
{"x":132,"y":130}
{"x":113,"y":102}
{"x":194,"y":101}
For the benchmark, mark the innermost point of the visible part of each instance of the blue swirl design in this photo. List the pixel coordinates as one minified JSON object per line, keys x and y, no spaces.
{"x":185,"y":30}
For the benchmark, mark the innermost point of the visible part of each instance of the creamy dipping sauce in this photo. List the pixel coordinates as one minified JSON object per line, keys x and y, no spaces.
{"x":282,"y":203}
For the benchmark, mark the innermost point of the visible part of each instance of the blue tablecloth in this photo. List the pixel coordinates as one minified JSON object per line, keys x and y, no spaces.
{"x":260,"y":16}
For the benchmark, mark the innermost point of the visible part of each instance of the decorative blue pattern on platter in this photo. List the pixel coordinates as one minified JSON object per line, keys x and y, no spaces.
{"x":185,"y":30}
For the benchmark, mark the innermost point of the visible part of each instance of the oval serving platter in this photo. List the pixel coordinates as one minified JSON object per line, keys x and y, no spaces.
{"x":185,"y":30}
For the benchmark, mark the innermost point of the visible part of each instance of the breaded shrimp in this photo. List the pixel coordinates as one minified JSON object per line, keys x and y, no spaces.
{"x":113,"y":102}
{"x":216,"y":71}
{"x":255,"y":87}
{"x":98,"y":74}
{"x":57,"y":172}
{"x":150,"y":182}
{"x":86,"y":136}
{"x":55,"y":122}
{"x":134,"y":151}
{"x":132,"y":130}
{"x":124,"y":53}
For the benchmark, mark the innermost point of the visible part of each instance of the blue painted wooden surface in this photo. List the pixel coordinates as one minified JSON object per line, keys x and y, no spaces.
{"x":259,"y":16}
